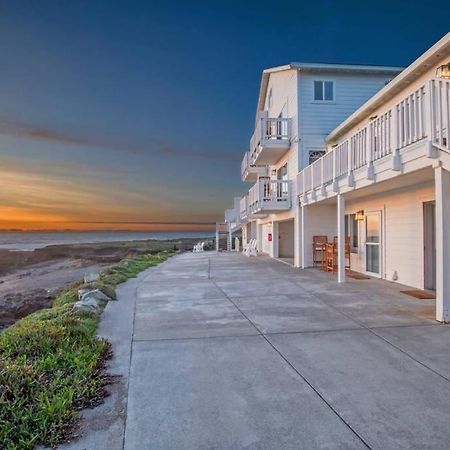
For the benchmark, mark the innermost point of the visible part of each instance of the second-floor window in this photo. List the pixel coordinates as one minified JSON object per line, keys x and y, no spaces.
{"x":314,"y":155}
{"x":323,"y":91}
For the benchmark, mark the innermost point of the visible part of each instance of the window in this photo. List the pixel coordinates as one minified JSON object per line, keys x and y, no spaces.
{"x":269,"y":99}
{"x":314,"y":155}
{"x":323,"y":91}
{"x":282,"y":173}
{"x":351,"y":230}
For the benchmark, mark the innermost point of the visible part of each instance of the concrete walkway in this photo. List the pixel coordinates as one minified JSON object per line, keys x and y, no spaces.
{"x":219,"y":351}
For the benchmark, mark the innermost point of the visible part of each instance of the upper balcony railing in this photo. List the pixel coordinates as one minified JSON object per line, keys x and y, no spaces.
{"x":423,"y":114}
{"x":243,"y":208}
{"x":272,"y":137}
{"x":250,"y":172}
{"x":268,"y":196}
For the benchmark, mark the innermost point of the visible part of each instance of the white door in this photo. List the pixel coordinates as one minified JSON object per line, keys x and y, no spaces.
{"x":429,"y":245}
{"x":373,"y":243}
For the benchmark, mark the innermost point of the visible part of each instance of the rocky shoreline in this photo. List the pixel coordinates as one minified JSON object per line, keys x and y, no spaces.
{"x":29,"y":281}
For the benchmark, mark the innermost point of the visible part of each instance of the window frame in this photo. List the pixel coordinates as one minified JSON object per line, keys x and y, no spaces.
{"x":323,"y":81}
{"x":322,"y":152}
{"x":352,"y":231}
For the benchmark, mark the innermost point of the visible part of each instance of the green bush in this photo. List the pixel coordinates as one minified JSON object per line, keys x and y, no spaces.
{"x":52,"y":365}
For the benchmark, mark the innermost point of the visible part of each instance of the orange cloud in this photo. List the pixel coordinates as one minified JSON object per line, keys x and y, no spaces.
{"x":40,"y":196}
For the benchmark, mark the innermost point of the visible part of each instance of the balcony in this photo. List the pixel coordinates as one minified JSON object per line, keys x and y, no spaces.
{"x":269,"y":196}
{"x":243,"y":209}
{"x":250,"y":172}
{"x":404,"y":138}
{"x":270,"y":141}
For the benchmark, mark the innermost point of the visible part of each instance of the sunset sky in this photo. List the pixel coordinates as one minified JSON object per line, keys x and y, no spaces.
{"x":128,"y":114}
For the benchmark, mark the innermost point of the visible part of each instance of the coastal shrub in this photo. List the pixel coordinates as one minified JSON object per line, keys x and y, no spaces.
{"x":52,"y":365}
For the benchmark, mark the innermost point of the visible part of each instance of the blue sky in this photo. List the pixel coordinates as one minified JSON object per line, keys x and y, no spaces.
{"x":141,"y":111}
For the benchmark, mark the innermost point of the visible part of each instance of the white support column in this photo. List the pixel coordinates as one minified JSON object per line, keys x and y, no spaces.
{"x":341,"y":237}
{"x":303,"y":250}
{"x":230,"y":237}
{"x":275,"y":239}
{"x":297,"y":236}
{"x":442,"y":186}
{"x":259,"y":237}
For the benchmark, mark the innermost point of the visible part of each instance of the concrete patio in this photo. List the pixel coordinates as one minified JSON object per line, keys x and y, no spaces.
{"x":220,"y":351}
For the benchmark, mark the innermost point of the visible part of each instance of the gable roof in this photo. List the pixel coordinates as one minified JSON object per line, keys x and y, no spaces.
{"x":322,"y":68}
{"x":413,"y":71}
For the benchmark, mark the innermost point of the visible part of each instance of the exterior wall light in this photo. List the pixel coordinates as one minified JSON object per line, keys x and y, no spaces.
{"x":443,"y":71}
{"x":359,"y":215}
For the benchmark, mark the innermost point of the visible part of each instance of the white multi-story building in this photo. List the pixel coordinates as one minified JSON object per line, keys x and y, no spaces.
{"x":298,"y":105}
{"x":383,"y":183}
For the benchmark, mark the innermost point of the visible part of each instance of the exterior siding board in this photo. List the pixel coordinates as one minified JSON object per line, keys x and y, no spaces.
{"x":402,"y":246}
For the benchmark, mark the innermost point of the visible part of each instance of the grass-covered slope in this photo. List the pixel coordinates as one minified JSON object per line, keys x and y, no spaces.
{"x":52,"y":365}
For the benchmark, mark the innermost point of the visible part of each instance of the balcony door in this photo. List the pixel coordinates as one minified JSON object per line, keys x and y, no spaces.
{"x":429,"y":245}
{"x":373,"y":243}
{"x":282,"y":177}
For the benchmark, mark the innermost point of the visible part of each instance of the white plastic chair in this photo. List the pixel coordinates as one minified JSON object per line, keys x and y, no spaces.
{"x":252,"y":249}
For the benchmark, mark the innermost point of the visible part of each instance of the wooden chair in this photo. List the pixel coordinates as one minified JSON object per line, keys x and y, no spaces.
{"x":330,"y":257}
{"x":347,"y":250}
{"x":318,"y":250}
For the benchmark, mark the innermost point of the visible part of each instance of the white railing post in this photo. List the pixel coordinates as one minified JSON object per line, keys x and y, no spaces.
{"x":396,"y":160}
{"x":350,"y":180}
{"x":335,"y":185}
{"x":369,"y":152}
{"x":429,"y":117}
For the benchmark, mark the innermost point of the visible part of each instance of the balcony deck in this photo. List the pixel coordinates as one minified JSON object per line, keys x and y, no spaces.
{"x":269,"y":196}
{"x":251,"y":172}
{"x":270,"y":141}
{"x":411,"y":136}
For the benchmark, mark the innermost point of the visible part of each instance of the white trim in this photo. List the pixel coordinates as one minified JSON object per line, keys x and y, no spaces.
{"x":380,"y":244}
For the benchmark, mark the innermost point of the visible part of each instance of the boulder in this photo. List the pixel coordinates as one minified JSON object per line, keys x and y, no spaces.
{"x":96,"y":295}
{"x":87,"y":305}
{"x":106,"y":289}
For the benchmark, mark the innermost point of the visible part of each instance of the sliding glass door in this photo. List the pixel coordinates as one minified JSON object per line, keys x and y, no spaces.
{"x":373,"y":243}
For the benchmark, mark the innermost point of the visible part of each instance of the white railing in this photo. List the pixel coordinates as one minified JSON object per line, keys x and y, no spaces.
{"x":440,"y":113}
{"x":402,"y":125}
{"x":269,"y":195}
{"x":243,"y":207}
{"x":245,"y":163}
{"x":269,"y":131}
{"x":248,"y":168}
{"x":358,"y":148}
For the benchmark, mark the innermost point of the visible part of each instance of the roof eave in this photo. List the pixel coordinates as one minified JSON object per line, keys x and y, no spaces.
{"x":398,"y":83}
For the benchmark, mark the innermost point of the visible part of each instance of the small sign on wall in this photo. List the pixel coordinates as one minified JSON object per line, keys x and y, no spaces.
{"x":269,"y":237}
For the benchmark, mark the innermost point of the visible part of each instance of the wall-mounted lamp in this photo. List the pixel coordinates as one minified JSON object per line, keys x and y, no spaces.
{"x":443,"y":71}
{"x":359,"y":215}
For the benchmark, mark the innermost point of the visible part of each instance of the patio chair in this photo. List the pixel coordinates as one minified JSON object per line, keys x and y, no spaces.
{"x":330,"y":257}
{"x":247,"y":246}
{"x":252,"y":250}
{"x":318,"y":249}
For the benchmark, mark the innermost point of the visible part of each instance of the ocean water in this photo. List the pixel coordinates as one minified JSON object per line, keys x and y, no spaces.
{"x":30,"y":240}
